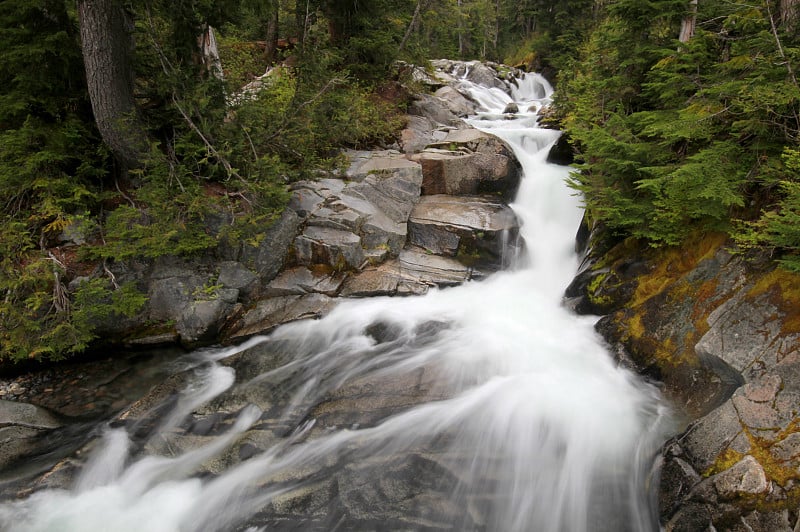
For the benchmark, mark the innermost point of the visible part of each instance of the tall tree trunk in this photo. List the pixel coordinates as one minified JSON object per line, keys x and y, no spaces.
{"x":789,"y":13}
{"x":688,"y":23}
{"x":106,"y":30}
{"x":271,"y":38}
{"x":460,"y":31}
{"x":207,"y":43}
{"x":412,"y":26}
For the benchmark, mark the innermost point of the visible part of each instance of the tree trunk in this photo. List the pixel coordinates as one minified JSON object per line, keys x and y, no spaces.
{"x":207,"y":43}
{"x":789,"y":13}
{"x":412,"y":26}
{"x":107,"y":45}
{"x":271,"y":38}
{"x":688,"y":23}
{"x":460,"y":32}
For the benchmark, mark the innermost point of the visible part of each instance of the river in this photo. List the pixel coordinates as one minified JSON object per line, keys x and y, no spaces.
{"x":507,"y":412}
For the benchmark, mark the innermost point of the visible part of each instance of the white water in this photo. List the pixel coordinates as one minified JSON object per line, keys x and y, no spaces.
{"x":539,"y":430}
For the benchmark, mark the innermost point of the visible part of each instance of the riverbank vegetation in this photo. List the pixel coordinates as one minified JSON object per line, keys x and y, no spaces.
{"x":685,"y":117}
{"x":189,"y":129}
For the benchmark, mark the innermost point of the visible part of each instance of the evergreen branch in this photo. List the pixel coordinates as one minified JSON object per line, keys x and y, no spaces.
{"x":209,"y":146}
{"x":789,"y":68}
{"x":287,"y":118}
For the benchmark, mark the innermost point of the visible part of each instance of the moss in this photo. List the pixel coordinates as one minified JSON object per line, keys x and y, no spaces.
{"x":775,"y":470}
{"x":595,"y":293}
{"x":673,"y":263}
{"x":725,"y":460}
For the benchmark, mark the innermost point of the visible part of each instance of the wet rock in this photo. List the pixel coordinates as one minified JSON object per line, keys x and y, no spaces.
{"x":511,"y":108}
{"x":691,"y":517}
{"x":270,"y":313}
{"x":483,"y":74}
{"x":677,"y":480}
{"x":423,"y":268}
{"x":766,"y":522}
{"x":498,"y":170}
{"x":561,"y":152}
{"x":456,"y":102}
{"x":380,"y":281}
{"x":478,"y":229}
{"x":18,"y":414}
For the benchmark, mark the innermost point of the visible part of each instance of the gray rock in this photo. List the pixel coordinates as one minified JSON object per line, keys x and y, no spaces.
{"x":742,"y":331}
{"x":168,"y":297}
{"x":418,"y":133}
{"x":381,"y":281}
{"x":746,"y":477}
{"x":767,"y":522}
{"x":13,"y":413}
{"x":511,"y":109}
{"x":393,"y":193}
{"x":691,"y":517}
{"x":483,"y":74}
{"x":418,"y":266}
{"x":235,"y":275}
{"x":478,"y":227}
{"x":270,"y":313}
{"x":336,"y":248}
{"x":201,"y":320}
{"x":435,"y":110}
{"x":460,"y":173}
{"x":788,"y":448}
{"x":448,"y":172}
{"x":269,"y":256}
{"x":301,"y":280}
{"x":456,"y":102}
{"x":710,"y":435}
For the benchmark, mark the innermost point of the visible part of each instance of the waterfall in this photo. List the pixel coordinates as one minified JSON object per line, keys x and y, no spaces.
{"x":487,"y":406}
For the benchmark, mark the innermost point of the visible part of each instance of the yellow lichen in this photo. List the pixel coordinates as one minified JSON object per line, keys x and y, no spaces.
{"x":783,"y":288}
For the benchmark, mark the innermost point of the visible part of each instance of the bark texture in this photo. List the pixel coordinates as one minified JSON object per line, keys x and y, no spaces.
{"x":107,"y":45}
{"x":688,"y":23}
{"x":789,"y":13}
{"x":271,"y":45}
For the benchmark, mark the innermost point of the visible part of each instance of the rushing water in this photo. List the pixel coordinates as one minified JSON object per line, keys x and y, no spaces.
{"x":483,"y":407}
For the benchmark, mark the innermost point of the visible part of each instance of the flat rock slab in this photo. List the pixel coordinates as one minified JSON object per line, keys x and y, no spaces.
{"x":270,"y":313}
{"x":388,"y":279}
{"x":350,"y":224}
{"x":417,"y":265}
{"x":302,"y":280}
{"x":476,"y":229}
{"x":13,"y":413}
{"x":364,"y":163}
{"x":470,"y":213}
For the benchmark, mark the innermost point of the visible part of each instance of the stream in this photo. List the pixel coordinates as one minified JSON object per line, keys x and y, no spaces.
{"x":488,"y":406}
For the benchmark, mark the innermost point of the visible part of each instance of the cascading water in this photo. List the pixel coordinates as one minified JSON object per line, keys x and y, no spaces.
{"x":483,"y":407}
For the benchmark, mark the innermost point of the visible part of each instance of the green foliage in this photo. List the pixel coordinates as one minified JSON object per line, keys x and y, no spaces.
{"x":681,"y":136}
{"x":778,"y":227}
